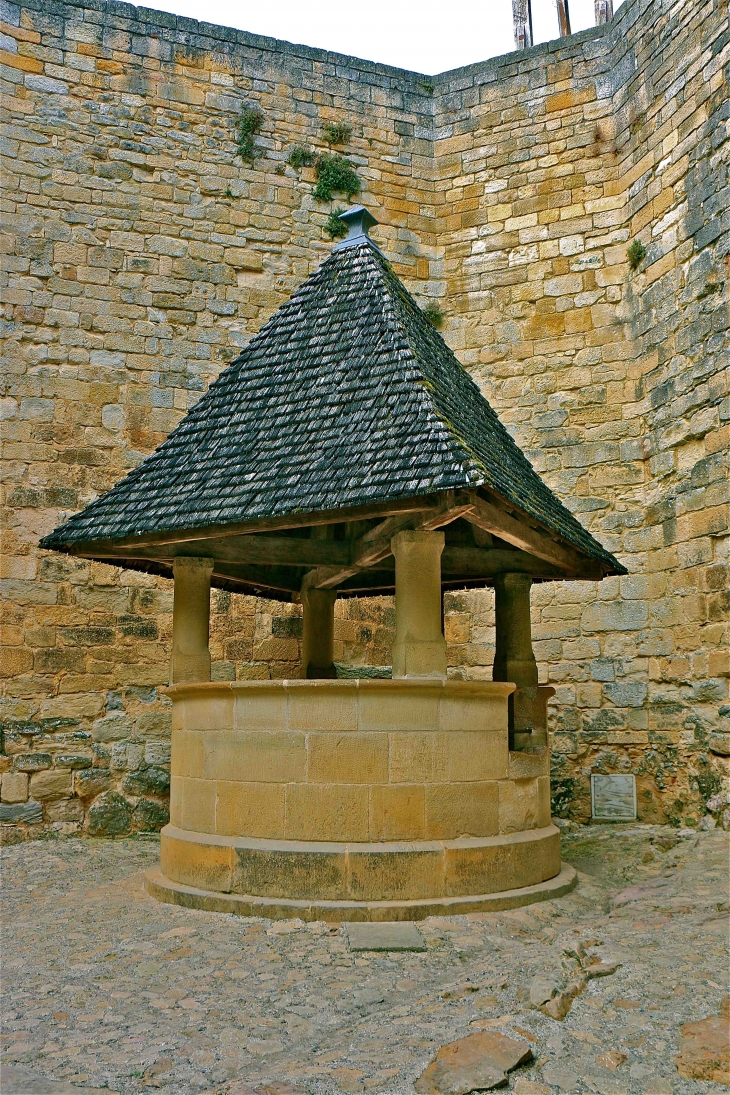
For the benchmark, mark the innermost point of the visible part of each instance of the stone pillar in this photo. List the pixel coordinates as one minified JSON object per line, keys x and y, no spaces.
{"x":191,"y":620}
{"x":419,"y":649}
{"x":318,"y":616}
{"x":522,"y":23}
{"x":514,"y":661}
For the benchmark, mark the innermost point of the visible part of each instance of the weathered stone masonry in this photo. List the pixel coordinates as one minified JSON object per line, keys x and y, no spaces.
{"x":140,"y":252}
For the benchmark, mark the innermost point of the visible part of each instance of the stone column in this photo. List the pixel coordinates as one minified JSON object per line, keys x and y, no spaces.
{"x":514,"y":661}
{"x":191,"y":620}
{"x":318,"y":616}
{"x":419,"y":649}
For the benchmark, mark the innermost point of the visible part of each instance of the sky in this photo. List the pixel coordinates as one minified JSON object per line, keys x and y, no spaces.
{"x":419,"y":35}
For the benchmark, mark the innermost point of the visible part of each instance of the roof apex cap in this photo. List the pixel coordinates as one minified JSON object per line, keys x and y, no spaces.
{"x":358,"y":220}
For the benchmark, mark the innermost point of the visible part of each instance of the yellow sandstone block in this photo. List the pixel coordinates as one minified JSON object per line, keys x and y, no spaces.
{"x":319,"y":812}
{"x":463,"y":809}
{"x":176,"y":800}
{"x":476,"y":756}
{"x":187,"y":753}
{"x":418,"y":757}
{"x":347,"y":758}
{"x":260,"y":709}
{"x":254,"y":756}
{"x":205,"y":711}
{"x":519,"y":805}
{"x":198,"y":805}
{"x":397,"y":813}
{"x":250,"y":809}
{"x":322,"y":708}
{"x":402,"y":707}
{"x":16,"y":60}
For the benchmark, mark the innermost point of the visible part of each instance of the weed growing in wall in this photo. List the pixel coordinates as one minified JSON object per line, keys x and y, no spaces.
{"x":335,"y":174}
{"x":636,"y":254}
{"x":249,"y":124}
{"x":300,"y":157}
{"x":336,"y":132}
{"x":434,"y":315}
{"x":334,"y":226}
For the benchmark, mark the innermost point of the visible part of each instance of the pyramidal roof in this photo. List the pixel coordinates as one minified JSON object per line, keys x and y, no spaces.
{"x":348,"y":396}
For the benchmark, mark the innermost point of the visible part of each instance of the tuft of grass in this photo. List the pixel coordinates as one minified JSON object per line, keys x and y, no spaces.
{"x":428,"y":87}
{"x":334,"y":226}
{"x":229,"y":192}
{"x":249,"y":124}
{"x":336,"y":132}
{"x":636,"y":254}
{"x":335,"y":174}
{"x":300,"y":157}
{"x":434,"y":315}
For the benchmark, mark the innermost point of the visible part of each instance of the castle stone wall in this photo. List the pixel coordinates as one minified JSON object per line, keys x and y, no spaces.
{"x":141,"y":253}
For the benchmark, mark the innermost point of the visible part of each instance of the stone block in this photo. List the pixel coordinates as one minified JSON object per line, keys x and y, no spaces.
{"x":464,"y":809}
{"x":400,"y":708}
{"x":398,"y":813}
{"x":418,"y":757}
{"x":250,"y":809}
{"x":204,"y":710}
{"x":519,"y":805}
{"x":204,"y":865}
{"x":476,"y":756}
{"x":254,"y":756}
{"x":347,"y":758}
{"x":187,"y":753}
{"x":14,"y":787}
{"x":260,"y":709}
{"x":53,"y":784}
{"x":325,"y":707}
{"x":321,"y":812}
{"x":198,"y":804}
{"x":398,"y":936}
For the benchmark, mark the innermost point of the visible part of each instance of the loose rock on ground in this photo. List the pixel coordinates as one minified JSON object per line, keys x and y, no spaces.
{"x":106,"y":988}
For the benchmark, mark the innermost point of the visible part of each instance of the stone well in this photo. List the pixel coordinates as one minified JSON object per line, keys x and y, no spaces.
{"x":354,"y":799}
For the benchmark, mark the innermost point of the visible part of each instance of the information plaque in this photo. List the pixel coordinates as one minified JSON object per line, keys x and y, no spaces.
{"x":613,"y":798}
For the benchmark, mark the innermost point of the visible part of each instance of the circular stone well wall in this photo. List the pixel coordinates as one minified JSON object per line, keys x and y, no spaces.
{"x":358,"y":799}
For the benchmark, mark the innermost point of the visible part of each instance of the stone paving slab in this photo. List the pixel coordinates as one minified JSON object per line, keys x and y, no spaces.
{"x":386,"y":936}
{"x":15,"y":1080}
{"x":105,"y":987}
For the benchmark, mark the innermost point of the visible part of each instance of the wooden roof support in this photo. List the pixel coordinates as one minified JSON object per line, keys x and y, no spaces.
{"x":488,"y":517}
{"x":375,"y":544}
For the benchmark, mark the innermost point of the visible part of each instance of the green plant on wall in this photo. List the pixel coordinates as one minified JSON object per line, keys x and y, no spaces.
{"x":335,"y":174}
{"x":336,"y":132}
{"x":249,"y":124}
{"x":334,"y":226}
{"x":636,"y":254}
{"x":434,"y":315}
{"x":300,"y":157}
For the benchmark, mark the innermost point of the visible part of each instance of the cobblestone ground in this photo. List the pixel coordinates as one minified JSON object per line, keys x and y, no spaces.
{"x":104,"y":987}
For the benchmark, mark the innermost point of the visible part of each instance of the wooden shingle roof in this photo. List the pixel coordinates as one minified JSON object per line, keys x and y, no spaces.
{"x":347,"y":397}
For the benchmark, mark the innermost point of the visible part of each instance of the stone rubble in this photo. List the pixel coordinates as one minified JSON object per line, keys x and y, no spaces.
{"x":104,"y":986}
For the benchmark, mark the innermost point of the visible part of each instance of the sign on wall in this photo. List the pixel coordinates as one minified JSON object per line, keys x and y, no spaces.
{"x":613,"y":798}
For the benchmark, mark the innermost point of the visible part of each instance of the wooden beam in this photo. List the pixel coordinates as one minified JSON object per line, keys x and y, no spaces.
{"x":374,"y":545}
{"x":523,"y":536}
{"x":89,"y":549}
{"x":563,"y":18}
{"x":267,"y":550}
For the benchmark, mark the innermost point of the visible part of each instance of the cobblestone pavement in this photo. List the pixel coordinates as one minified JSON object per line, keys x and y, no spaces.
{"x":104,"y":987}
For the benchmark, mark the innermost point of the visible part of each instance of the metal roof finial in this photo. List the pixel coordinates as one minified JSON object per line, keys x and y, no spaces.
{"x":358,"y":220}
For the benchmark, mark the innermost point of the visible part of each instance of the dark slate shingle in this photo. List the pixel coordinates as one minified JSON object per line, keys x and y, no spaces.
{"x":347,"y":396}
